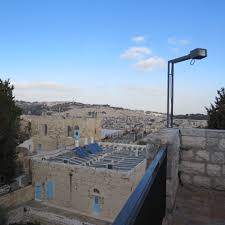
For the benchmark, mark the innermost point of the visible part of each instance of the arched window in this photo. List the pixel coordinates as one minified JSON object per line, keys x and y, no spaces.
{"x":76,"y":132}
{"x":96,"y":207}
{"x":96,"y":191}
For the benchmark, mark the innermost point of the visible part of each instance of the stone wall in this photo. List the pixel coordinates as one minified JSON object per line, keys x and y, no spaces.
{"x":18,"y":197}
{"x":203,"y":158}
{"x":74,"y":186}
{"x":28,"y":144}
{"x":169,"y":138}
{"x":51,"y":132}
{"x":33,"y":212}
{"x":188,"y":123}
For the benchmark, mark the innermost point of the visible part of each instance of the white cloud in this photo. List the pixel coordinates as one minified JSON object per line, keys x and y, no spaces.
{"x":138,"y":39}
{"x":135,"y":53}
{"x":175,"y":41}
{"x":150,"y":63}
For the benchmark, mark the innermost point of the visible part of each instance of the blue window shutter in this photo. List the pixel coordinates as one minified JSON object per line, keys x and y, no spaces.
{"x":96,"y":209}
{"x":38,"y":192}
{"x":50,"y":189}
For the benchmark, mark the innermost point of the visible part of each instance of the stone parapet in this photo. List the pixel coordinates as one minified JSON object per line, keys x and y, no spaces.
{"x":203,"y":157}
{"x":169,"y":138}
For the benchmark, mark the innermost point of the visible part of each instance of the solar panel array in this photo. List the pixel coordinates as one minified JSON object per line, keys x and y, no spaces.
{"x":110,"y":157}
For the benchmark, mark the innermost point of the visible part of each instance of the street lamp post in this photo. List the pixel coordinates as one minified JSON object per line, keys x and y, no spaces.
{"x":198,"y":53}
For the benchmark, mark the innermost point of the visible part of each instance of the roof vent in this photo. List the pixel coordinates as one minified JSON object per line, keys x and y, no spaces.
{"x":65,"y":160}
{"x":110,"y":166}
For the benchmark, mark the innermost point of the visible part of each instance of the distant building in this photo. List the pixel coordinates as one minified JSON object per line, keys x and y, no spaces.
{"x":57,"y":131}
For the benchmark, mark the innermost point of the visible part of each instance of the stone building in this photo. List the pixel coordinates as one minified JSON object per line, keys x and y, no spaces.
{"x":57,"y":131}
{"x":96,"y":185}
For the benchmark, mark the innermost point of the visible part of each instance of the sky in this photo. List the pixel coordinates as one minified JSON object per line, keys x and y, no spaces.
{"x":113,"y":51}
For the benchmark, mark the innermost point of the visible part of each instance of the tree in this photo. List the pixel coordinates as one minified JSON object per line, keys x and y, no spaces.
{"x":3,"y":216}
{"x":216,"y":113}
{"x":9,"y":129}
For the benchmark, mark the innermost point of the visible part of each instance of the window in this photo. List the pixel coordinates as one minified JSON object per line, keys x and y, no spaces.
{"x":45,"y":129}
{"x":38,"y":192}
{"x":50,"y":189}
{"x":39,"y":146}
{"x":69,"y":131}
{"x":77,"y":133}
{"x":96,"y":207}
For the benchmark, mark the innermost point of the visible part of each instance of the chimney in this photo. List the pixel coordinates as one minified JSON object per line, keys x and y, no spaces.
{"x":76,"y":143}
{"x":136,"y":153}
{"x":85,"y":141}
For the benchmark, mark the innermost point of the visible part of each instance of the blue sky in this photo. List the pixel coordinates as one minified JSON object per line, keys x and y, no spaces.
{"x":110,"y":51}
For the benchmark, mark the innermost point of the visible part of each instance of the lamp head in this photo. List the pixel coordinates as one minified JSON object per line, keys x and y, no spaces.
{"x":198,"y":53}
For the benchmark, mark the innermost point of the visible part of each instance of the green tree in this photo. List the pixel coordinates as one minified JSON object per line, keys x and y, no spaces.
{"x":9,"y":129}
{"x":216,"y":113}
{"x":3,"y":216}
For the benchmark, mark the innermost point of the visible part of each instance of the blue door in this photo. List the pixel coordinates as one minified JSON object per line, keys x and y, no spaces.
{"x":50,"y":189}
{"x":38,"y":192}
{"x":96,"y":205}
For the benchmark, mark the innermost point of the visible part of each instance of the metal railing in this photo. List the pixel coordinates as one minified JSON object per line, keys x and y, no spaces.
{"x":147,"y":204}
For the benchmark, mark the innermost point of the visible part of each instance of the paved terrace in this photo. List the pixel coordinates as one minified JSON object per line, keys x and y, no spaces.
{"x":199,"y":206}
{"x":115,"y":157}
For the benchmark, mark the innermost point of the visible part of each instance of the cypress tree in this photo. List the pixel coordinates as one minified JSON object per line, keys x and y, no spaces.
{"x":9,"y":128}
{"x":216,"y":112}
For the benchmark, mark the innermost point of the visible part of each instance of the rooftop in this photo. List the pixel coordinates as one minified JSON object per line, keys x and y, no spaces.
{"x":103,"y":156}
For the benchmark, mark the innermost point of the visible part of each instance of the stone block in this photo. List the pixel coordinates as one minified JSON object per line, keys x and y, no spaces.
{"x":192,"y":167}
{"x":193,"y":132}
{"x":213,"y":170}
{"x":202,"y":155}
{"x":171,"y":186}
{"x":223,"y":170}
{"x":186,"y":179}
{"x":172,"y":169}
{"x":187,"y":155}
{"x":201,"y":181}
{"x":170,"y":202}
{"x":217,"y":157}
{"x":218,"y":183}
{"x":221,"y":144}
{"x":212,"y":144}
{"x":212,"y":133}
{"x":222,"y":134}
{"x":189,"y":142}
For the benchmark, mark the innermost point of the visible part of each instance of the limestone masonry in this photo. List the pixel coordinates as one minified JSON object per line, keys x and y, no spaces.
{"x":97,"y":185}
{"x":57,"y":131}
